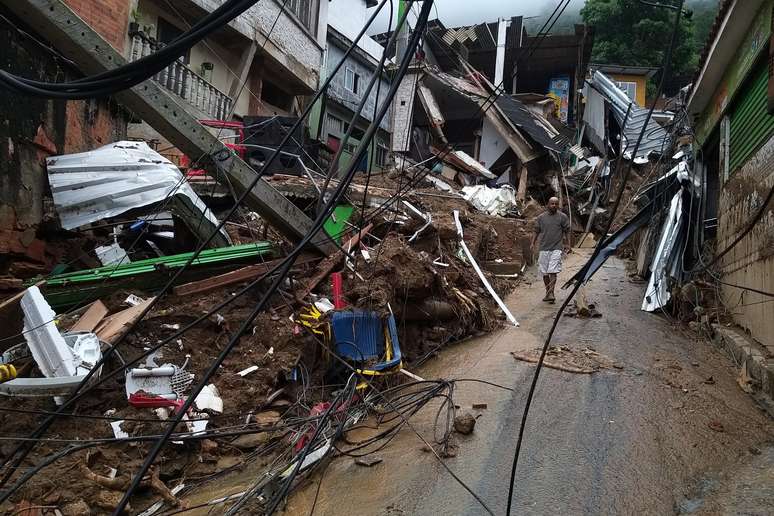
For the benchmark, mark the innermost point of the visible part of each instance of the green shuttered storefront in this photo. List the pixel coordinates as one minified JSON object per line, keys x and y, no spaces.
{"x":750,"y":123}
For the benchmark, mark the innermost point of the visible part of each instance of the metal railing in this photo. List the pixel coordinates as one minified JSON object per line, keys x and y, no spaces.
{"x":183,"y":81}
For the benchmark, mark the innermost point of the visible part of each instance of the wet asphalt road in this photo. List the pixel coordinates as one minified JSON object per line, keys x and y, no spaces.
{"x":642,"y":439}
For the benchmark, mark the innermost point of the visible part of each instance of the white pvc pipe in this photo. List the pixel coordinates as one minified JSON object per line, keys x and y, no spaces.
{"x":494,"y":295}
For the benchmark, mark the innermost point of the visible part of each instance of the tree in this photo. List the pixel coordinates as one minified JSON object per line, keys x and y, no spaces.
{"x":704,"y":12}
{"x":627,"y":32}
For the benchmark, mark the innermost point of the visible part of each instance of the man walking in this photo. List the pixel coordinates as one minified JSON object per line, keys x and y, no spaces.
{"x":553,"y":228}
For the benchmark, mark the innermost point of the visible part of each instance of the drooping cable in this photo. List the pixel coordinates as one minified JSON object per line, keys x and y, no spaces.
{"x":130,"y":74}
{"x":319,"y":221}
{"x":21,"y":451}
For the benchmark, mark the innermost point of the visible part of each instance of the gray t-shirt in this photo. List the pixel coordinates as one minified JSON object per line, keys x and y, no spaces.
{"x":551,"y":228}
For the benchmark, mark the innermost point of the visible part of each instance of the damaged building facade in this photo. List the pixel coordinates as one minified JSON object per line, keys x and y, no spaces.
{"x":515,"y":142}
{"x":253,"y":67}
{"x":331,"y":119}
{"x":262,"y":64}
{"x":732,"y":103}
{"x":34,"y":129}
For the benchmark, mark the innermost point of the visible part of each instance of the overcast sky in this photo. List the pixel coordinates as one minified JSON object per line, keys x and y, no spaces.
{"x":455,"y":13}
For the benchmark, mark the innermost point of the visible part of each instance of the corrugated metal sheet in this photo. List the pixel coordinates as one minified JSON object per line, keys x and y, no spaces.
{"x":518,"y":113}
{"x":116,"y":178}
{"x":655,"y":138}
{"x":751,"y":124}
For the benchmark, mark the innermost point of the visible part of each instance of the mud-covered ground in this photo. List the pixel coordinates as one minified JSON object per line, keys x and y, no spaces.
{"x":400,"y":276}
{"x":664,"y":430}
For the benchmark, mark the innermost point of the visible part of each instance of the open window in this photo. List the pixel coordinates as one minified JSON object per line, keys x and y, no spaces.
{"x":352,"y":80}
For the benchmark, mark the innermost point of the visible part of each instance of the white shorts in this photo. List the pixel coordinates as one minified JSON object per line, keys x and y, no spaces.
{"x":550,"y":262}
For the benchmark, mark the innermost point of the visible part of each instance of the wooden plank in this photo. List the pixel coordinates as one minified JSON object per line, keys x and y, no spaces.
{"x":327,"y":265}
{"x":110,"y":329}
{"x":246,"y":273}
{"x":93,"y":316}
{"x":427,"y":99}
{"x":464,"y":162}
{"x":521,"y":193}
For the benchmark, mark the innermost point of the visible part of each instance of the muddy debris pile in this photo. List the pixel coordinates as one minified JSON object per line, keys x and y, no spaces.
{"x":405,"y":288}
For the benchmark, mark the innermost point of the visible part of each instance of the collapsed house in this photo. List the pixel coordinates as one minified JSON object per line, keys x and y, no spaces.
{"x":518,"y":140}
{"x":501,"y":145}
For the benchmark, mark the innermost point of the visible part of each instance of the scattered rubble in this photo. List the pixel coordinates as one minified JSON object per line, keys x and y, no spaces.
{"x":465,"y":424}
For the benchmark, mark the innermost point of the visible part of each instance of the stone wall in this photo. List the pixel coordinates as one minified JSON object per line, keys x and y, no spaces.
{"x":751,"y":262}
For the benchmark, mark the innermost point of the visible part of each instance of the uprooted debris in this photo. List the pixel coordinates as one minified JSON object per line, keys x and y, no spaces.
{"x":570,"y":360}
{"x":582,"y":307}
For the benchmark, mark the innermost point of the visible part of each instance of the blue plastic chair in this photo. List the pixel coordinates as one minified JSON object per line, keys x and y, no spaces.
{"x":361,"y":336}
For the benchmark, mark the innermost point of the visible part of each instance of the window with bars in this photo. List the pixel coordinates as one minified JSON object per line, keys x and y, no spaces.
{"x":305,"y":11}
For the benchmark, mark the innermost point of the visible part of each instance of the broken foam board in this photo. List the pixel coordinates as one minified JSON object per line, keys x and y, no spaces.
{"x":49,"y":349}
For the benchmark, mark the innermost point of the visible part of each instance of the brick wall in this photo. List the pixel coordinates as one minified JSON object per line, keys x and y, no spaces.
{"x":108,"y":17}
{"x":31,"y":130}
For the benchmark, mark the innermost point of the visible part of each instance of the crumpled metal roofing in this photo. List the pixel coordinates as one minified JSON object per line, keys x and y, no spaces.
{"x":518,"y":113}
{"x":655,"y":138}
{"x":121,"y":176}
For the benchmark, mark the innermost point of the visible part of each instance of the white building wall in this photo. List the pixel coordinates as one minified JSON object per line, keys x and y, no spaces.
{"x":492,"y":144}
{"x":349,"y":17}
{"x":291,"y":45}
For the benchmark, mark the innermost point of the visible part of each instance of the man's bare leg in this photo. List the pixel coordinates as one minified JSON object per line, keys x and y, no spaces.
{"x":547,"y":283}
{"x":550,"y":288}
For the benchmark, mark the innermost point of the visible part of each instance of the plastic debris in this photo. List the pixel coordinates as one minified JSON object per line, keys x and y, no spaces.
{"x":64,"y":360}
{"x":207,"y":401}
{"x":117,"y":431}
{"x":132,"y":300}
{"x":494,"y":201}
{"x":245,"y":372}
{"x":111,"y":254}
{"x":157,"y":386}
{"x":324,"y":305}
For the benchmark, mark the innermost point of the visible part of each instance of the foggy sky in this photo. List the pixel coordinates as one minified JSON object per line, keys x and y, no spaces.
{"x":455,"y":13}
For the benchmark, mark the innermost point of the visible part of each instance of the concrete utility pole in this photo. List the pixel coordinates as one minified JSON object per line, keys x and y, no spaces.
{"x":79,"y":42}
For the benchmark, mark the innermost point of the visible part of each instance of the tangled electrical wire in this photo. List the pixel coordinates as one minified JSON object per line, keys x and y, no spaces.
{"x":283,"y":269}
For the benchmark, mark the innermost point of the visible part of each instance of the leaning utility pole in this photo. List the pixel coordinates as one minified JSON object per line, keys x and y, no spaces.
{"x":93,"y":54}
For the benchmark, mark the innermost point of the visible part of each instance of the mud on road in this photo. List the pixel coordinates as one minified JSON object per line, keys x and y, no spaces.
{"x":665,"y":431}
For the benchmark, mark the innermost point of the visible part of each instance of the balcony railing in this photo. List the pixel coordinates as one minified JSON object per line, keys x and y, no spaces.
{"x":181,"y":80}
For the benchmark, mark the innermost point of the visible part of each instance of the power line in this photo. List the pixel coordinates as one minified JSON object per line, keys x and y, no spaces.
{"x":21,"y":452}
{"x":150,"y":458}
